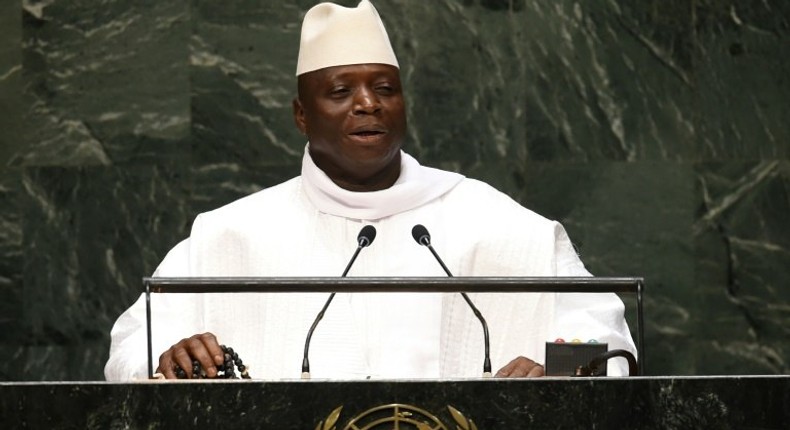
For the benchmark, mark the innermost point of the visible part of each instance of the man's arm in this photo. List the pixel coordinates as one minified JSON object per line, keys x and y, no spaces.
{"x":173,"y":317}
{"x":579,"y":315}
{"x":585,"y":316}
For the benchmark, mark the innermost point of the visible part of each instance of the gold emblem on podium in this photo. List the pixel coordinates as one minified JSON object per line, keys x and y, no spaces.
{"x":396,"y":416}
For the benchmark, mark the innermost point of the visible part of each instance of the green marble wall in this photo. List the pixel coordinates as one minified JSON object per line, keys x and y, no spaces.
{"x":656,"y":131}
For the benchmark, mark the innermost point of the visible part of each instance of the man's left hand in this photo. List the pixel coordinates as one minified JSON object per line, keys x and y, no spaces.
{"x":521,"y":367}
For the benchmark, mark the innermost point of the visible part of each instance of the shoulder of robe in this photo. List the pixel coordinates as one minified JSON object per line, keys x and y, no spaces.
{"x":485,"y":200}
{"x":258,"y":203}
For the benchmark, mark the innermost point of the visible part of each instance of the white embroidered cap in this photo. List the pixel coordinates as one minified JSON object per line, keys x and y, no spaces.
{"x":334,"y":35}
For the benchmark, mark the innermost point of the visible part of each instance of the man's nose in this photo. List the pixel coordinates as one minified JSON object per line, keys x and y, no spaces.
{"x":366,"y":101}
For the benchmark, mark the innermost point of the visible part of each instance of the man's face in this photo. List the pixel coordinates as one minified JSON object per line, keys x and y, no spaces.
{"x":355,"y":120}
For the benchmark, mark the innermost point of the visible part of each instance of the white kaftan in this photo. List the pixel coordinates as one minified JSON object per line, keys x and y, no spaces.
{"x":308,"y":226}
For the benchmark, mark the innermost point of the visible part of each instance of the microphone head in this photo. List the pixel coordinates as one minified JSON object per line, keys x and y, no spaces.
{"x":366,"y":235}
{"x":421,"y":235}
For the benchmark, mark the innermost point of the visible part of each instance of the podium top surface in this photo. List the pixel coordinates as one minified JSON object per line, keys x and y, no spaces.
{"x":395,"y":284}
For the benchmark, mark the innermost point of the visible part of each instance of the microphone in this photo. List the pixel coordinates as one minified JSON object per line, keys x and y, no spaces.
{"x":364,"y":239}
{"x":421,"y":236}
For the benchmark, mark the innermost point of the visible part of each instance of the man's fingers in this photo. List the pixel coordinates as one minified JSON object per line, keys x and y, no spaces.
{"x":206,"y":350}
{"x":507,"y":371}
{"x":202,"y":348}
{"x":212,"y":345}
{"x":165,"y":370}
{"x":166,"y":365}
{"x":521,"y":367}
{"x":536,"y":371}
{"x":518,"y":372}
{"x":199,"y":351}
{"x":183,"y":359}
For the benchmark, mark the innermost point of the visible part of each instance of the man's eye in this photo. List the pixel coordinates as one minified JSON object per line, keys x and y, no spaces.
{"x":385,"y":89}
{"x":339,"y":91}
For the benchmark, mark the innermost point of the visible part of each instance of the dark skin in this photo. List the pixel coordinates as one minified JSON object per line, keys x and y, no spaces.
{"x":355,"y":121}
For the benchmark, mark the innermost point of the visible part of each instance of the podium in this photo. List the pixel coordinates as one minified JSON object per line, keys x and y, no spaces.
{"x":231,"y":285}
{"x":491,"y":404}
{"x":486,"y":403}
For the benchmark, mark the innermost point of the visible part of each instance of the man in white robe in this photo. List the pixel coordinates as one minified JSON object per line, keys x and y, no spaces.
{"x":354,"y":173}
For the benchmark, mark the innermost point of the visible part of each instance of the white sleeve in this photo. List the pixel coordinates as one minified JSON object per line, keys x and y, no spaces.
{"x":585,"y":316}
{"x":173,"y":318}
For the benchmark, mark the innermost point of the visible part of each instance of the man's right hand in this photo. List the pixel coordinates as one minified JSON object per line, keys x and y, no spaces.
{"x":201,"y":347}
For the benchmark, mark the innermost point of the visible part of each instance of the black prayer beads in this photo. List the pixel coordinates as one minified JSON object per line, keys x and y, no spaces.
{"x":226,"y":370}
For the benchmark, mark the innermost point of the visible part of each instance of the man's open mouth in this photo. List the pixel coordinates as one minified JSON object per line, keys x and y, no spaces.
{"x":367,"y":133}
{"x":370,"y":133}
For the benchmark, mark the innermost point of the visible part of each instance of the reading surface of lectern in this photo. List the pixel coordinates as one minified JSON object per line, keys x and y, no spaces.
{"x":231,"y":285}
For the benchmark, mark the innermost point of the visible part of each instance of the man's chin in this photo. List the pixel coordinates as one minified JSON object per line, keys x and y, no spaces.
{"x":375,"y":160}
{"x":366,"y":140}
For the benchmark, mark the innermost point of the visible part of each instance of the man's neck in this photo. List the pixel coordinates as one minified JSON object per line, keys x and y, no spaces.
{"x":380,"y":181}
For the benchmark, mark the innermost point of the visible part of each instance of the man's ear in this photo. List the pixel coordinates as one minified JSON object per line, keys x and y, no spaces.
{"x":299,"y":118}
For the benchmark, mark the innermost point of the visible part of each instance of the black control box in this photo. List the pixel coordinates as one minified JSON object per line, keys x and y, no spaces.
{"x":563,"y":358}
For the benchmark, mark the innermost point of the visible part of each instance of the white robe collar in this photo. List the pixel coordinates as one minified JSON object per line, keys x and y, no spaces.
{"x":416,"y":186}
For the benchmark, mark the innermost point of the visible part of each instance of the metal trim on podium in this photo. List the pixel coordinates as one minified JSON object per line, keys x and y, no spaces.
{"x":632,"y":285}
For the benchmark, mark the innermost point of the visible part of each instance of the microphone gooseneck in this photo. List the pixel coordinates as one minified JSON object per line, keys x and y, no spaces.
{"x":422,"y":237}
{"x":364,"y":239}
